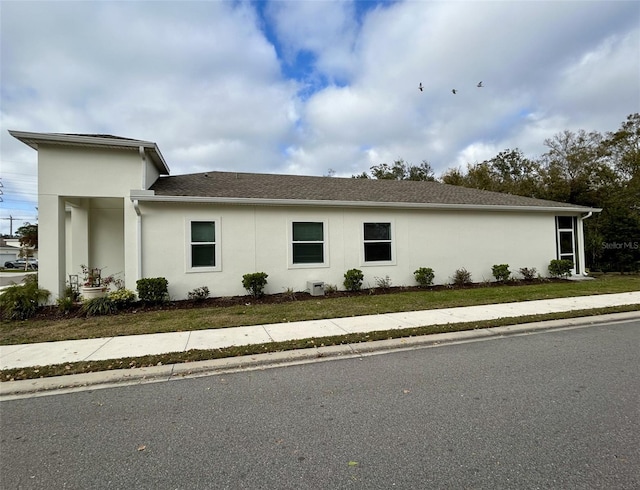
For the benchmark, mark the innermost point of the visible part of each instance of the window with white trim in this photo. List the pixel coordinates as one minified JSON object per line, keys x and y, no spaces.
{"x":307,"y":242}
{"x":377,"y":242}
{"x":204,"y":248}
{"x":566,"y":232}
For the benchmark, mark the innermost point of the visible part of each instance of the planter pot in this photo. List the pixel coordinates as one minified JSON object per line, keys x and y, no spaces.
{"x":93,"y":292}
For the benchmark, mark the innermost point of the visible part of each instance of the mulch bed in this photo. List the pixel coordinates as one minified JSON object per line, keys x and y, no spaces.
{"x":52,"y":312}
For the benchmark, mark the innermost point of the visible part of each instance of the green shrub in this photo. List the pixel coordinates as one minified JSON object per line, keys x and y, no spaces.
{"x":383,"y":282}
{"x":528,"y":274}
{"x":153,"y":289}
{"x":99,"y":306}
{"x":199,"y":294}
{"x":501,"y":272}
{"x":353,"y":279}
{"x":560,"y":268}
{"x":122,"y":297}
{"x":330,"y":288}
{"x":65,"y":304}
{"x":424,"y":276}
{"x":21,"y":301}
{"x":254,"y":283}
{"x":290,"y":294}
{"x":461,"y":277}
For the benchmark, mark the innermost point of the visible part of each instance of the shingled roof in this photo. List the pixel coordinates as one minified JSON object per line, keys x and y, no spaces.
{"x":333,"y":190}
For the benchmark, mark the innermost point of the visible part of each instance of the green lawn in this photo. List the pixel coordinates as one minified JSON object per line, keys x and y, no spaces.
{"x":255,"y":314}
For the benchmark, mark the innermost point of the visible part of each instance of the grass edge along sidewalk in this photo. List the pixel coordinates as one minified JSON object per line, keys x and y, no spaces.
{"x":81,"y":367}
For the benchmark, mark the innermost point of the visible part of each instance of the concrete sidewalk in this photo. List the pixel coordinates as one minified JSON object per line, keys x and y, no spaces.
{"x":48,"y":353}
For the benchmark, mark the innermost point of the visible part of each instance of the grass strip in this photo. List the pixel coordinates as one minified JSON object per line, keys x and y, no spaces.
{"x":253,"y":349}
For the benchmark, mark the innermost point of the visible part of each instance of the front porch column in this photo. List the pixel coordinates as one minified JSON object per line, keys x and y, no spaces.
{"x":51,"y":245}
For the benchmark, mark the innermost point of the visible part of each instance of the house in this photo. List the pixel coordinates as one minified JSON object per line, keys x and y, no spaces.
{"x":110,"y":202}
{"x":9,"y":250}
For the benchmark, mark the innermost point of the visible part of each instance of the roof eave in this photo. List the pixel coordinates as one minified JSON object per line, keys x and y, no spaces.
{"x":33,"y":139}
{"x":136,"y":195}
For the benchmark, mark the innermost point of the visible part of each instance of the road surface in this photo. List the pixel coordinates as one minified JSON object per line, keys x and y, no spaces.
{"x":558,"y":409}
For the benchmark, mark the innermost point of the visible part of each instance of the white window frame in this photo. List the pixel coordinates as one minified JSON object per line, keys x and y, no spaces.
{"x":188,"y":243}
{"x":574,"y":257}
{"x":392,"y":241}
{"x":325,"y":240}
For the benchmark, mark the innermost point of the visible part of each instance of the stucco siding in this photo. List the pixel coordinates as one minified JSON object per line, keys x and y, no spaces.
{"x":106,"y":236}
{"x":257,"y":239}
{"x":88,"y":172}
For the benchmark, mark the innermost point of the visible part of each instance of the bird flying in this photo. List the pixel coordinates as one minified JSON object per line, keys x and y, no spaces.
{"x":454,"y":91}
{"x":480,"y":84}
{"x":420,"y":87}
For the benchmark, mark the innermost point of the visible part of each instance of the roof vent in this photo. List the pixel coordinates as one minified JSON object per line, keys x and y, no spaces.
{"x":206,"y":175}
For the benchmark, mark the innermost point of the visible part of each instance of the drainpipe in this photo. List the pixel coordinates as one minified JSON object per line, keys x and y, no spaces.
{"x":136,"y":206}
{"x":582,"y":218}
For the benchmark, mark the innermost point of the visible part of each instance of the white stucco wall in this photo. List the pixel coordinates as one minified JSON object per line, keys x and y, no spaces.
{"x":88,"y":172}
{"x":256,"y":239}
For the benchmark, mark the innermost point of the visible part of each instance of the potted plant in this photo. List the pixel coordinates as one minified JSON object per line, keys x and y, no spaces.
{"x":93,"y":284}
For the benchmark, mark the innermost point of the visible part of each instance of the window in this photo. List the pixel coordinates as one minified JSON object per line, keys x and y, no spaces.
{"x":377,"y":242}
{"x":566,"y":239}
{"x":307,"y":242}
{"x":203,"y":245}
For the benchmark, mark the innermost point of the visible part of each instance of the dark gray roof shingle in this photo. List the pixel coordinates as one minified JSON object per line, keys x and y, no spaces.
{"x":298,"y":187}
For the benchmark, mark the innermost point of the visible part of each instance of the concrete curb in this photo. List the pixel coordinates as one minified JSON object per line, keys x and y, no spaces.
{"x":121,"y":377}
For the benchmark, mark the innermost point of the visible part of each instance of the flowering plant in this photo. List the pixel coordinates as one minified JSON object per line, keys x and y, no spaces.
{"x":92,"y":278}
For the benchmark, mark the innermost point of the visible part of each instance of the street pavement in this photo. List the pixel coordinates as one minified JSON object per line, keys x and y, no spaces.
{"x":550,"y":409}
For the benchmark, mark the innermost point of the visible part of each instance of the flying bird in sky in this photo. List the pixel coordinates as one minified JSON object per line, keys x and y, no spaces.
{"x":480,"y":84}
{"x":420,"y":87}
{"x":454,"y":91}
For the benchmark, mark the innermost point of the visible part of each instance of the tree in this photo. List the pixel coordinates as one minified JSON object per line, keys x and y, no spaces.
{"x":28,"y":237}
{"x":515,"y":173}
{"x":572,"y":166}
{"x":400,"y":170}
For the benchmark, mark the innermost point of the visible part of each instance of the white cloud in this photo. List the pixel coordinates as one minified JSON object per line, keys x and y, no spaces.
{"x":205,"y":81}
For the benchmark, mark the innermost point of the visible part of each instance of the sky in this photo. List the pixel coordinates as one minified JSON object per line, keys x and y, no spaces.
{"x":311,"y":87}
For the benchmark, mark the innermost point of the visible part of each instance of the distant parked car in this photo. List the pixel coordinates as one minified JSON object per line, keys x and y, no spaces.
{"x":31,"y":264}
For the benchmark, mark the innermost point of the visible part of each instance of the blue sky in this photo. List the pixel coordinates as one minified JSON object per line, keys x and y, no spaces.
{"x":303,"y":87}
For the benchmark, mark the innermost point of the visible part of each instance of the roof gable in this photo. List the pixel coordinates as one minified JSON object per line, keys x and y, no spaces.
{"x":94,"y":141}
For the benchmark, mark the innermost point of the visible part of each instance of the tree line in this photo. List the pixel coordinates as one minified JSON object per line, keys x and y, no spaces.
{"x":584,"y":168}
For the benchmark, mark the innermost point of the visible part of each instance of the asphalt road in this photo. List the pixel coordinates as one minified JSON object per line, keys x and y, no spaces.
{"x":559,"y":409}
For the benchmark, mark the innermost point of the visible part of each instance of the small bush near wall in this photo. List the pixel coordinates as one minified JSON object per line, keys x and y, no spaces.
{"x":99,"y":306}
{"x":68,"y":300}
{"x":330,"y":288}
{"x":20,"y":302}
{"x":461,"y":277}
{"x":153,"y":289}
{"x":528,"y":274}
{"x":254,"y":283}
{"x":383,"y":282}
{"x":353,"y":279}
{"x":501,"y":272}
{"x":122,"y":297}
{"x":424,"y":276}
{"x":199,"y":294}
{"x":560,"y":268}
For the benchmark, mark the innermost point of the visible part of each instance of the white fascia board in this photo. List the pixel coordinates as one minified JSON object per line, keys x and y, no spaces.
{"x":354,"y":204}
{"x":32,"y":139}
